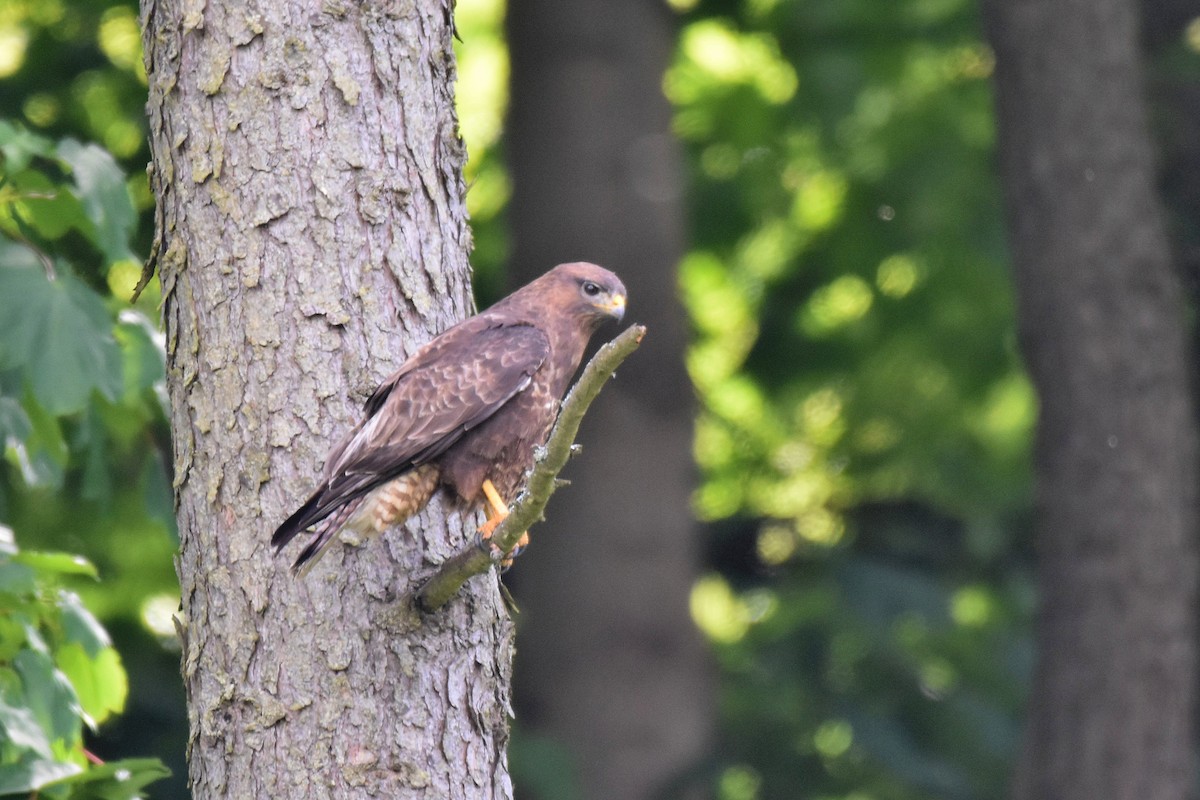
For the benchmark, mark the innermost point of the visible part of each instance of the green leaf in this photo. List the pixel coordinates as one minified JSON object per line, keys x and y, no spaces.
{"x":33,"y":637}
{"x":45,"y":453}
{"x":58,"y":563}
{"x":14,"y":422}
{"x":18,"y":146}
{"x":21,"y":730}
{"x":116,"y":780}
{"x":100,"y":682}
{"x":16,"y":579}
{"x":49,"y":695}
{"x":80,"y":626}
{"x":8,"y":542}
{"x":12,"y":635}
{"x":61,"y":332}
{"x":101,"y":188}
{"x":97,"y":476}
{"x":15,"y":254}
{"x":49,"y":208}
{"x":31,"y":774}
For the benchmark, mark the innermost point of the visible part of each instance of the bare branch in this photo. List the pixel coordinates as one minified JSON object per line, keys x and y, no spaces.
{"x":543,"y":480}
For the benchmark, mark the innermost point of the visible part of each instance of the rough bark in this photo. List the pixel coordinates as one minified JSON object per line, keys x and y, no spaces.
{"x":1102,"y":328}
{"x":313,"y":231}
{"x":610,"y":663}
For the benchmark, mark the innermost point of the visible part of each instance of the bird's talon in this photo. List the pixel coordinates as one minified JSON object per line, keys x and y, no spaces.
{"x":489,"y":527}
{"x":483,"y":542}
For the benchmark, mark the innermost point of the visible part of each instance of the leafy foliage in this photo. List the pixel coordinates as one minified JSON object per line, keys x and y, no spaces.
{"x":866,"y":423}
{"x":482,"y":97}
{"x":58,"y":674}
{"x":83,"y":431}
{"x":80,"y":370}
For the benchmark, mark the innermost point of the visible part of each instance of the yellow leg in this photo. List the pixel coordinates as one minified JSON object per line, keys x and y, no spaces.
{"x":497,"y":511}
{"x":499,"y":507}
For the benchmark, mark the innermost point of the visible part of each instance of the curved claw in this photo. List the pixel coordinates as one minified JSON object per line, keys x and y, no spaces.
{"x":507,"y":562}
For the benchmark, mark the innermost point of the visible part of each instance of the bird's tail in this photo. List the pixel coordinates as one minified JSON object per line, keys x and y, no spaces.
{"x":322,"y":536}
{"x":366,"y":510}
{"x":304,"y":516}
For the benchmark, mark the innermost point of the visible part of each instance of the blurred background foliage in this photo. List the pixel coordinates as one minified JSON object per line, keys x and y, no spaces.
{"x":865,"y":427}
{"x":86,"y":446}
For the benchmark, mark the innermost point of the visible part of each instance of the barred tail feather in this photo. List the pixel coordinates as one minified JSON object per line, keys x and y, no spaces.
{"x":368,"y":512}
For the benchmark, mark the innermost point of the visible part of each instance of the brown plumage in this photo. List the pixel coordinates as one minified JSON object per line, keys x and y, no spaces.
{"x":467,"y":408}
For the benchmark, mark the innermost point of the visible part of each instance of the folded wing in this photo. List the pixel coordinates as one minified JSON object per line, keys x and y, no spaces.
{"x":454,"y":384}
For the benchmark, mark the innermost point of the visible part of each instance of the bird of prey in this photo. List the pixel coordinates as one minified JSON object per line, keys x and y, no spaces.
{"x":465,"y":412}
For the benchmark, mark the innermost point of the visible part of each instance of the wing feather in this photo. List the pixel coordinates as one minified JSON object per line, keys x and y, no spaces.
{"x":452,"y":385}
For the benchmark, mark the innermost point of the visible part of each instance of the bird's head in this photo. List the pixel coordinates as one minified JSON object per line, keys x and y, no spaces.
{"x":591,"y":293}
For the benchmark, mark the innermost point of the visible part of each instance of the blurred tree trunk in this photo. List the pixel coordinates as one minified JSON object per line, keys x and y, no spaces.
{"x":313,"y":231}
{"x":610,"y":663}
{"x":1102,"y":324}
{"x":1175,"y":111}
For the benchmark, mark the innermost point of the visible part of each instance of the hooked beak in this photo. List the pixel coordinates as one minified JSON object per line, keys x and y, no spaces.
{"x":615,"y":307}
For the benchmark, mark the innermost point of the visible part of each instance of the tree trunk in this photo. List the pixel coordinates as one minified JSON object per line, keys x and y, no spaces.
{"x":610,"y":663}
{"x":308,"y":174}
{"x":1102,"y":328}
{"x":1175,"y":109}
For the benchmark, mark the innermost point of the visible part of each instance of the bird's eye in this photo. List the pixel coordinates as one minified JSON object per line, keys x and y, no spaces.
{"x":591,"y":289}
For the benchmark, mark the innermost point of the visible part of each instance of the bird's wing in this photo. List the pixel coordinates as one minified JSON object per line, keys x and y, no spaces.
{"x":449,"y":387}
{"x":428,"y":408}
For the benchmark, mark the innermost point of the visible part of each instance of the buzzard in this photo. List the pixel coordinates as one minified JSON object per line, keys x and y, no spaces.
{"x":464,"y":413}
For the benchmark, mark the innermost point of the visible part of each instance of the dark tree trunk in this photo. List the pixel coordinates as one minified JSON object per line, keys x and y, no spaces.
{"x":610,"y":663}
{"x":1102,"y":328}
{"x":1175,"y":112}
{"x":313,"y":230}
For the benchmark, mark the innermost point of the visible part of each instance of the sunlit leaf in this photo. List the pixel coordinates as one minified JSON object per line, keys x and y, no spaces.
{"x":115,"y":780}
{"x":12,"y":632}
{"x":79,"y":625}
{"x":32,"y":773}
{"x":59,"y":563}
{"x":48,"y":207}
{"x":99,"y":681}
{"x":20,"y":729}
{"x":49,"y":696}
